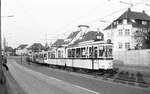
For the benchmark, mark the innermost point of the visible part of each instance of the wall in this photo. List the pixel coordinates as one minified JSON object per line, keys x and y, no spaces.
{"x":133,"y":57}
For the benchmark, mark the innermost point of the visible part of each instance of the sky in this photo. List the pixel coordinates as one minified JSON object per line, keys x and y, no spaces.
{"x":38,"y":21}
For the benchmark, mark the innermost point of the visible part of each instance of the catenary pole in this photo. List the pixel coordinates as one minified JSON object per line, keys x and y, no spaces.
{"x":0,"y":39}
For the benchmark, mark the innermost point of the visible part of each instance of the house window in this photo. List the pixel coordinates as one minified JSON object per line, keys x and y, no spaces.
{"x":120,"y":32}
{"x":120,"y":45}
{"x":127,"y":45}
{"x":127,"y":32}
{"x":99,"y":37}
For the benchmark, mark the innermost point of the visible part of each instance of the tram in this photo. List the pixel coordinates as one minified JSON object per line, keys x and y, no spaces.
{"x":95,"y":55}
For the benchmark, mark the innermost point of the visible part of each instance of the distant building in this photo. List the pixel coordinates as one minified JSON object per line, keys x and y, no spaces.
{"x":9,"y":51}
{"x":36,"y":47}
{"x":130,"y":31}
{"x":59,"y":46}
{"x":22,"y":49}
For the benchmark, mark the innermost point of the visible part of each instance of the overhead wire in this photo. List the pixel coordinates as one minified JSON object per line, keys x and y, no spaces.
{"x":80,"y":17}
{"x":133,"y":5}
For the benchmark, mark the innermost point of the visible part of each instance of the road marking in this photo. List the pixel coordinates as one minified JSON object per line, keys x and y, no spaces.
{"x":86,"y":89}
{"x":43,"y":77}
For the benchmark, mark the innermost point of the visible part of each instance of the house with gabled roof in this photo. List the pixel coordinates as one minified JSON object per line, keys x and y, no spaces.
{"x":88,"y":37}
{"x":59,"y":46}
{"x":21,"y":49}
{"x":130,"y":31}
{"x":58,"y":43}
{"x":36,"y":47}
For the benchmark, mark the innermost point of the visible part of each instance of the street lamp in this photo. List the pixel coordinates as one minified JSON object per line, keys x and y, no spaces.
{"x":1,"y":32}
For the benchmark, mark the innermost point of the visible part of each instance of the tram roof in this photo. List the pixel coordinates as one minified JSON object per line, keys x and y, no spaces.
{"x":89,"y":43}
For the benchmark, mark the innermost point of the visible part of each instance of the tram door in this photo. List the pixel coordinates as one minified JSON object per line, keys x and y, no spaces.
{"x":93,"y":54}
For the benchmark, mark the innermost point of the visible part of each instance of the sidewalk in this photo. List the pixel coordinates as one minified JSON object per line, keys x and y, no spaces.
{"x":3,"y":83}
{"x":10,"y":86}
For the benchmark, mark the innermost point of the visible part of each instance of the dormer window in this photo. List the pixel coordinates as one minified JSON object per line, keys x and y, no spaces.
{"x":144,"y":22}
{"x":133,"y":20}
{"x":99,"y":37}
{"x":119,"y":21}
{"x":125,"y":21}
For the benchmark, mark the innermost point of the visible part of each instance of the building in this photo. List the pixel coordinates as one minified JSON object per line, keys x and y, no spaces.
{"x":59,"y":46}
{"x":9,"y":51}
{"x":87,"y":38}
{"x":36,"y":47}
{"x":22,"y":49}
{"x":129,"y":31}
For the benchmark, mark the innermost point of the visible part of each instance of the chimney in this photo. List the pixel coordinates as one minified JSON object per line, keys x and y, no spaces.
{"x":83,"y":28}
{"x":143,"y":11}
{"x":129,"y":9}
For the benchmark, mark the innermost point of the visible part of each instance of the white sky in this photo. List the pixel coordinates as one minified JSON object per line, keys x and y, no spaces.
{"x":34,"y":19}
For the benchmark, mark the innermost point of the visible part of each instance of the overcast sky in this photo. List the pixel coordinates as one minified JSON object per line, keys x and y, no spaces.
{"x":34,"y":20}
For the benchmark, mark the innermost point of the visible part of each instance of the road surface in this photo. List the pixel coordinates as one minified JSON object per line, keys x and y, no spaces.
{"x":34,"y":82}
{"x":41,"y":80}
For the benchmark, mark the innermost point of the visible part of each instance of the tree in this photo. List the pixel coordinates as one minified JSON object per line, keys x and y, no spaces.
{"x":142,"y":39}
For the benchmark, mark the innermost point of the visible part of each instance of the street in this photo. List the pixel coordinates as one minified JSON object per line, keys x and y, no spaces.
{"x":35,"y":79}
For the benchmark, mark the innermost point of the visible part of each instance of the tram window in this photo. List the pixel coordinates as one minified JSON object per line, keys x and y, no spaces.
{"x":83,"y":54}
{"x":69,"y":53}
{"x":78,"y":52}
{"x":53,"y":55}
{"x":90,"y":52}
{"x":41,"y":56}
{"x":95,"y":52}
{"x":108,"y":51}
{"x":59,"y":54}
{"x":49,"y":55}
{"x":101,"y":51}
{"x":45,"y":56}
{"x":73,"y":53}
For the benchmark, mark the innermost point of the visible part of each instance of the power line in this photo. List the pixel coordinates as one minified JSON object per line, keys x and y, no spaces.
{"x":132,"y":5}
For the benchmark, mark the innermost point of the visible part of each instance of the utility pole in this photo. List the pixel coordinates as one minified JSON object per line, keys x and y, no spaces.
{"x":0,"y":34}
{"x":0,"y":39}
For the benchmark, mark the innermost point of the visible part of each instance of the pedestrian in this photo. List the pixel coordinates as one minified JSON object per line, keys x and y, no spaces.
{"x":4,"y":61}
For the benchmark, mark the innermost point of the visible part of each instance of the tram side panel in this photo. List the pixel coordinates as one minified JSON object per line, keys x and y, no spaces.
{"x":51,"y":61}
{"x":61,"y":62}
{"x":105,"y":64}
{"x":82,"y":63}
{"x":69,"y":62}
